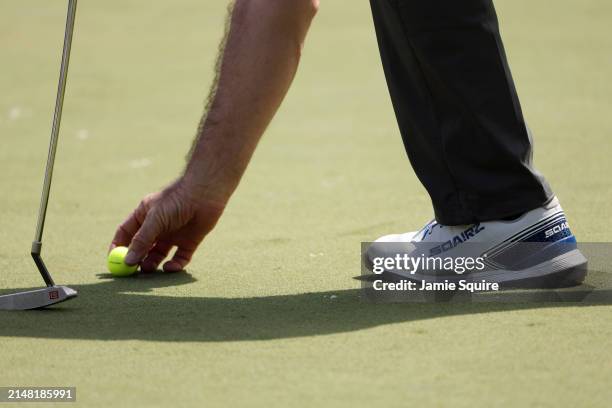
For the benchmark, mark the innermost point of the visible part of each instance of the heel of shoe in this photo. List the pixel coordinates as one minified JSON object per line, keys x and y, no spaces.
{"x":566,"y":271}
{"x":562,"y":279}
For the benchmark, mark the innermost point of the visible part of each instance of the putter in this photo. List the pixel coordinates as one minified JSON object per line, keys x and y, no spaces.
{"x":52,"y":294}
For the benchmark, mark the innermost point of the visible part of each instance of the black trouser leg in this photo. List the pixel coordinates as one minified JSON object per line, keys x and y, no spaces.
{"x":457,"y":108}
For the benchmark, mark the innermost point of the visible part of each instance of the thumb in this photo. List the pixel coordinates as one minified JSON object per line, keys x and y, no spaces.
{"x":144,"y":239}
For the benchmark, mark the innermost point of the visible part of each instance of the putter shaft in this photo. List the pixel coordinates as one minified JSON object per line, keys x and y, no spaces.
{"x":57,"y":118}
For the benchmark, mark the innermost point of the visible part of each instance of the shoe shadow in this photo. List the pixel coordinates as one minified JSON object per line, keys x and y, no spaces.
{"x":123,"y":309}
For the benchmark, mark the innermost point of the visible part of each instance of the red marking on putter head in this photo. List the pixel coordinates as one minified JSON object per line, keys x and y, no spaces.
{"x":54,"y":294}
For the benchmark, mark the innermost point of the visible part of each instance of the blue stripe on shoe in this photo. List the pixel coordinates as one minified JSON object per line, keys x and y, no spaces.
{"x":532,"y":229}
{"x":548,"y":241}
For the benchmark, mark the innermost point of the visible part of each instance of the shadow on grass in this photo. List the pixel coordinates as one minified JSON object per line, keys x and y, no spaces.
{"x":120,"y":309}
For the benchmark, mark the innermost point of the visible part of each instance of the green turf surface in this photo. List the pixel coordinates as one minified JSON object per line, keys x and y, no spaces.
{"x":268,"y":314}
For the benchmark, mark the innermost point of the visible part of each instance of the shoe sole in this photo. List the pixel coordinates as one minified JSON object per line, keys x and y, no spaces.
{"x":566,"y":270}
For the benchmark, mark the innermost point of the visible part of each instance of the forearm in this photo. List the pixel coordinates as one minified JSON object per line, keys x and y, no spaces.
{"x":258,"y":65}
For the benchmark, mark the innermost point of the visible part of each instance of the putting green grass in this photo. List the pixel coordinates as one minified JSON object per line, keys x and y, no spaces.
{"x":268,"y":314}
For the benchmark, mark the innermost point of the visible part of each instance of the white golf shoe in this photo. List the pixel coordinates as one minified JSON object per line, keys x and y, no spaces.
{"x":536,"y":249}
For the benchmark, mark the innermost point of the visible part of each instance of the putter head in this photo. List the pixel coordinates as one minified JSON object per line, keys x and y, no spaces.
{"x":36,"y":299}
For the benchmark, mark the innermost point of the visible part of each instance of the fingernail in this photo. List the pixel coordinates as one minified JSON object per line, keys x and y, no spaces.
{"x":131,"y":258}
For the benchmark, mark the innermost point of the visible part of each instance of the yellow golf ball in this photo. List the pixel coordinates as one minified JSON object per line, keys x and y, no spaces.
{"x":116,"y":264}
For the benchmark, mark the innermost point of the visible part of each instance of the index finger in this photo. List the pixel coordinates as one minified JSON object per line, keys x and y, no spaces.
{"x":128,"y":228}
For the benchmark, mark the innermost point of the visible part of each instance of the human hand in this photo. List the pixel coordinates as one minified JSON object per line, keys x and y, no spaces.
{"x":175,"y":216}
